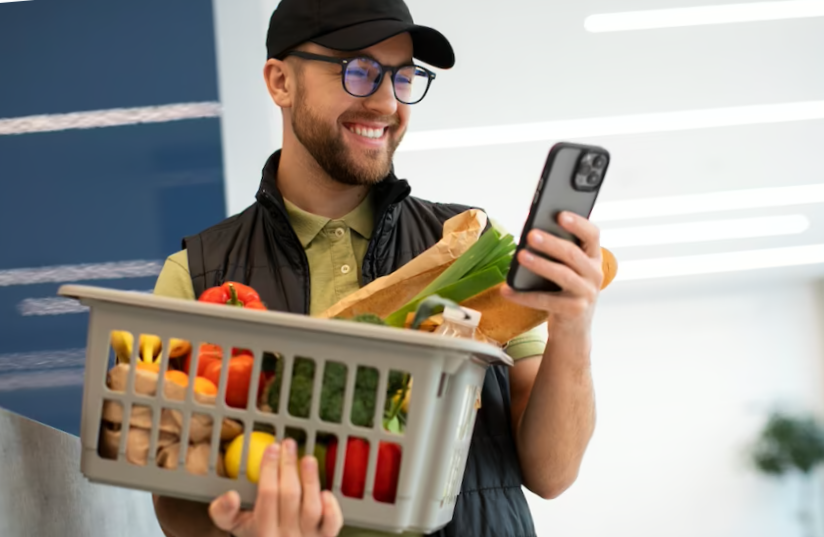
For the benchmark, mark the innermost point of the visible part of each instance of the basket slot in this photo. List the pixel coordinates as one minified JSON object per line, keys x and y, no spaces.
{"x":443,"y":385}
{"x":253,"y":383}
{"x":184,"y":437}
{"x":380,"y":404}
{"x":343,"y":436}
{"x":127,"y":411}
{"x":317,"y":387}
{"x":244,"y":453}
{"x":349,"y":393}
{"x":223,"y":383}
{"x":214,"y":446}
{"x":154,"y":435}
{"x":286,"y":384}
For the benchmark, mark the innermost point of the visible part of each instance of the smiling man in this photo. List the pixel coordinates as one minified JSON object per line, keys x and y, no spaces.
{"x":330,"y":216}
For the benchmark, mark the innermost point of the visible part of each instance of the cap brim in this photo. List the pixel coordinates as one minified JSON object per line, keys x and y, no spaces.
{"x":429,"y":45}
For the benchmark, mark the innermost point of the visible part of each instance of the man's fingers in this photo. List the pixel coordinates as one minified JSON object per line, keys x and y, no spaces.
{"x":225,"y":511}
{"x":562,"y":275}
{"x":290,"y":493}
{"x":332,"y":515}
{"x":564,"y":252}
{"x":267,"y":504}
{"x":312,"y":508}
{"x":585,"y":230}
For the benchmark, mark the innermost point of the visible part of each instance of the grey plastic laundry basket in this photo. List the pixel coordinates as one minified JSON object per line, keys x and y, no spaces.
{"x":448,"y":375}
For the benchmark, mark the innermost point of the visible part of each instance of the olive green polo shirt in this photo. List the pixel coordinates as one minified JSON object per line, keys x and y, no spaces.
{"x":335,"y":250}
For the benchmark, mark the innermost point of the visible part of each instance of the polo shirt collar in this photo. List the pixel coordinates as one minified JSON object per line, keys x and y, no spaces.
{"x":308,"y":225}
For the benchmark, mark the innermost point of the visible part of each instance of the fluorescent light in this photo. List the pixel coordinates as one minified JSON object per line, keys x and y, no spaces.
{"x":9,"y":1}
{"x":570,"y":129}
{"x":703,"y":15}
{"x":666,"y":267}
{"x":714,"y":230}
{"x":115,"y":117}
{"x":756,"y":198}
{"x":75,"y":273}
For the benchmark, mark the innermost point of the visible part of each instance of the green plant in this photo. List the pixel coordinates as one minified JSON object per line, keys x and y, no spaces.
{"x":792,"y":444}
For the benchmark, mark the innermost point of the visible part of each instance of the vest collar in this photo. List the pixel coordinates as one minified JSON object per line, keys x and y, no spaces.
{"x":384,"y":194}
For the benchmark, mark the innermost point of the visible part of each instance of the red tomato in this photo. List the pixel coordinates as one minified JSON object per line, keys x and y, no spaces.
{"x":205,"y":358}
{"x":240,"y":376}
{"x":355,"y":466}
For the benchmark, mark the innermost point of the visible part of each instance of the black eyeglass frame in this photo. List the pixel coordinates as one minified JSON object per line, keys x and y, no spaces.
{"x":344,"y":62}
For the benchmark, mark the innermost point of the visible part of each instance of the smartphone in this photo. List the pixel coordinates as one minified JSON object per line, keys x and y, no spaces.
{"x":571,"y":179}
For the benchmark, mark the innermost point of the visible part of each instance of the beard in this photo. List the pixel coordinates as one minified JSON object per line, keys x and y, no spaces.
{"x":325,"y":144}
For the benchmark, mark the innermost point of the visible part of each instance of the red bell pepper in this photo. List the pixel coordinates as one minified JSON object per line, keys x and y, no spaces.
{"x":355,"y":466}
{"x":239,"y":378}
{"x":233,"y":294}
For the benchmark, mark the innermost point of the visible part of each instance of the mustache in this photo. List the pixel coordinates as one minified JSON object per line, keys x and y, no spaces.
{"x":390,"y":121}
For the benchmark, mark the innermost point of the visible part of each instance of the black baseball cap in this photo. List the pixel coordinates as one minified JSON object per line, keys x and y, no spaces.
{"x":349,"y":25}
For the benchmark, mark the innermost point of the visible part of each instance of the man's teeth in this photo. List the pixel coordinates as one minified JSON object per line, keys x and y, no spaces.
{"x":366,"y":132}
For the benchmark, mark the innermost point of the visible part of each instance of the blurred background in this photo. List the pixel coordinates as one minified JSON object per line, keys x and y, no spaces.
{"x":125,"y":126}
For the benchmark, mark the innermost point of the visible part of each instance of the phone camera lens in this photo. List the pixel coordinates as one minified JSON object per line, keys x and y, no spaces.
{"x":584,"y":169}
{"x":600,"y":161}
{"x":593,"y":178}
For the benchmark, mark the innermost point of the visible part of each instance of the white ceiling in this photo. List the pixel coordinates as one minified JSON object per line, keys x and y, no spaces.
{"x":531,"y":61}
{"x":541,"y":65}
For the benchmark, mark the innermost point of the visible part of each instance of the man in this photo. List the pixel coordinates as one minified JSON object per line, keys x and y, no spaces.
{"x":331,"y":216}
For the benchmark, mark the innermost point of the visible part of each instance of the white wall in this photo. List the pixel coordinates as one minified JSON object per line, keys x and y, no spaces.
{"x":685,"y":368}
{"x":683,"y":381}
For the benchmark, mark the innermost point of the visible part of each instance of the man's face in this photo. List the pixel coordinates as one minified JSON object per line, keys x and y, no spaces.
{"x":352,"y":138}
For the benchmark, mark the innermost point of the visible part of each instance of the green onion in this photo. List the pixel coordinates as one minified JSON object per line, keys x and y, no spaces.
{"x":456,"y":292}
{"x":464,"y":264}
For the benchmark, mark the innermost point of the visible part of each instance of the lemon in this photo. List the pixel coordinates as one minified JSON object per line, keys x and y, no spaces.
{"x":258,"y":442}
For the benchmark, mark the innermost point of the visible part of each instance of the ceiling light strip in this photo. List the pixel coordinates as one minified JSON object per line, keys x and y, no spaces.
{"x":703,"y":15}
{"x":570,"y":129}
{"x":707,"y":231}
{"x":757,"y":198}
{"x":645,"y":269}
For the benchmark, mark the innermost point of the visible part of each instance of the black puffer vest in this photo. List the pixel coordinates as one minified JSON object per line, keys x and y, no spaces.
{"x":259,"y":248}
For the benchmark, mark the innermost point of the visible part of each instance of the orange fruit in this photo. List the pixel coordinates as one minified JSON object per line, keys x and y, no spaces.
{"x":147,"y":366}
{"x":609,"y":267}
{"x":178,"y":377}
{"x":205,"y":386}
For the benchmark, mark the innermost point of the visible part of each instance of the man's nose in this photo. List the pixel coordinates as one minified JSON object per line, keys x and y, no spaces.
{"x":383,"y":101}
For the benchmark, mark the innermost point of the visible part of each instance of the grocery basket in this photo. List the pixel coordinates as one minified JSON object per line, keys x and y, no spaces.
{"x":448,"y":374}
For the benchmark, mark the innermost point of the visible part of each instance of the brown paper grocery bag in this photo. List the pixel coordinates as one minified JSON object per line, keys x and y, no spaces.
{"x":391,"y":292}
{"x":501,"y":319}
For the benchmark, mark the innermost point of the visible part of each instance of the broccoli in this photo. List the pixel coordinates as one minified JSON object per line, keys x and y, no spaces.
{"x":332,"y":390}
{"x":334,"y":385}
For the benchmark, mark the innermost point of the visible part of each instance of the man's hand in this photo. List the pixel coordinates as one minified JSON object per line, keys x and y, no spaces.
{"x":553,"y":404}
{"x":286,"y":505}
{"x":577,"y":271}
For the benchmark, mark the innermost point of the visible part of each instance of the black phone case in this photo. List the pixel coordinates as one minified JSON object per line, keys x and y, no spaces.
{"x":556,"y":192}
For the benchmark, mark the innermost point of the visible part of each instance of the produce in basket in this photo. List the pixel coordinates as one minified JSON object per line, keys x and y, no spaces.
{"x":233,"y":294}
{"x":170,"y":423}
{"x":241,"y":361}
{"x":149,"y":347}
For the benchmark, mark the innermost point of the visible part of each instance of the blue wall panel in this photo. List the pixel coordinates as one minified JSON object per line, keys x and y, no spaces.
{"x":126,"y":193}
{"x":70,"y":55}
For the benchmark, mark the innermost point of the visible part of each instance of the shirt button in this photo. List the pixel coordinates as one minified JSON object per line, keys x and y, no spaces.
{"x":339,"y":232}
{"x":345,"y":269}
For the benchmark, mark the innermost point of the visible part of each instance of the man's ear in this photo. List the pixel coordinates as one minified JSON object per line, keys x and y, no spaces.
{"x":279,"y":81}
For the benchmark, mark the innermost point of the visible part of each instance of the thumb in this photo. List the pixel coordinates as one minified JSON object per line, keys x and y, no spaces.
{"x":225,"y":510}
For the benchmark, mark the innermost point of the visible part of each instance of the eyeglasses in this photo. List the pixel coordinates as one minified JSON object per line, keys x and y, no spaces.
{"x":361,"y":77}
